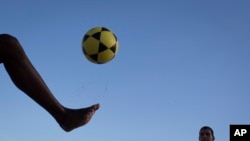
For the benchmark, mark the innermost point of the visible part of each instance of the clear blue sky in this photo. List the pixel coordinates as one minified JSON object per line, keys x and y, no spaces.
{"x":181,"y":65}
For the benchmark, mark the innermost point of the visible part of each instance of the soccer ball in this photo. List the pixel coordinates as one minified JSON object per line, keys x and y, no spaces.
{"x":99,"y":45}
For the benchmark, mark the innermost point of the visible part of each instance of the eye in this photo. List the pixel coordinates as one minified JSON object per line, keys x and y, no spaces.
{"x":202,"y":134}
{"x":208,"y":134}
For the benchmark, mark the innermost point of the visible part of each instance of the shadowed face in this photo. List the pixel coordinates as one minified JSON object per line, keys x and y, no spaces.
{"x":206,"y":135}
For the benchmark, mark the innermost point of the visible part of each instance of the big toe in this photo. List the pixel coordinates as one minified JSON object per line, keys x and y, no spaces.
{"x":95,"y":107}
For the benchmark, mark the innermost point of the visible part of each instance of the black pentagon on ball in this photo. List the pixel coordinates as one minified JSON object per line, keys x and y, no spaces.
{"x":105,"y":29}
{"x":97,"y":36}
{"x":85,"y":37}
{"x":113,"y":48}
{"x":94,"y":57}
{"x":102,"y":47}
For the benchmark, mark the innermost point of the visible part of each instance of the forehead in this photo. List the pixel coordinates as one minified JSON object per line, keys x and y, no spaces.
{"x":205,"y":131}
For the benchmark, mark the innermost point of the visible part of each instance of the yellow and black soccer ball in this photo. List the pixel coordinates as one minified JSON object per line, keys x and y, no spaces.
{"x":100,"y":45}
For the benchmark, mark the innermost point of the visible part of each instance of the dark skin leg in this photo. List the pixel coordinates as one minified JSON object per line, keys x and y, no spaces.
{"x":27,"y":79}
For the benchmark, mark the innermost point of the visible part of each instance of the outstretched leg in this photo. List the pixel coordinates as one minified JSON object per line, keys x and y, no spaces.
{"x":27,"y":79}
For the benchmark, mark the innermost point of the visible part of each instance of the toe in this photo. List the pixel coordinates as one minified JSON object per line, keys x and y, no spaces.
{"x":96,"y":106}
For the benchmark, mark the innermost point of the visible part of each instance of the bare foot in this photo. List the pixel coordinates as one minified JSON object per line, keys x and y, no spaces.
{"x":75,"y":118}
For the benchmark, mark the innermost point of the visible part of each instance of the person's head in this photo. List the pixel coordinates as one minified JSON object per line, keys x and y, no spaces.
{"x":206,"y":134}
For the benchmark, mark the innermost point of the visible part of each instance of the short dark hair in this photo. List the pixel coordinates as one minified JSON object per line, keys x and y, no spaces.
{"x":209,"y":128}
